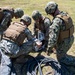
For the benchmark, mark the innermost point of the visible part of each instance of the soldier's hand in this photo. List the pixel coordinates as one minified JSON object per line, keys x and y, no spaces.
{"x":38,"y":43}
{"x":49,"y":51}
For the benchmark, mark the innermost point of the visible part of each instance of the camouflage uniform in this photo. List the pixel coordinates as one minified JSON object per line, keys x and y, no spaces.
{"x":10,"y":49}
{"x":63,"y":46}
{"x":16,"y":51}
{"x":7,"y":15}
{"x":54,"y":30}
{"x":41,"y":26}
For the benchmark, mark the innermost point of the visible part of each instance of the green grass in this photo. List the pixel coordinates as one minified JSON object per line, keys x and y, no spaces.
{"x":29,"y":5}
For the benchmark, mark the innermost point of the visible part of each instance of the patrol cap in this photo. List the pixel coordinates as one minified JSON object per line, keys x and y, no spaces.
{"x":36,"y":15}
{"x":51,"y":7}
{"x":26,"y":18}
{"x":18,"y":12}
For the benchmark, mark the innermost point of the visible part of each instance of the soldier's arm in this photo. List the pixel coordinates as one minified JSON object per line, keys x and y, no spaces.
{"x":5,"y":20}
{"x":47,"y":23}
{"x":35,"y":29}
{"x":54,"y":30}
{"x":28,"y":34}
{"x":30,"y":37}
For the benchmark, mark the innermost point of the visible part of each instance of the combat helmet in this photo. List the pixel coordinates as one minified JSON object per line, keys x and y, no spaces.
{"x":51,"y":7}
{"x":19,"y":12}
{"x":36,"y":15}
{"x":27,"y":19}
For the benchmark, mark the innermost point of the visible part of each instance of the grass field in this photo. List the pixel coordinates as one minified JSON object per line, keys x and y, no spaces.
{"x":29,"y":5}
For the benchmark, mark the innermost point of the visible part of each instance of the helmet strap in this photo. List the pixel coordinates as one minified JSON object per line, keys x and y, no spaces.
{"x":53,"y":14}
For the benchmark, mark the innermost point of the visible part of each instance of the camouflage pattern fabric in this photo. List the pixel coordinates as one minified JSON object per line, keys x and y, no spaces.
{"x":62,"y":47}
{"x":43,"y":26}
{"x":4,"y":24}
{"x":18,"y":64}
{"x":10,"y":50}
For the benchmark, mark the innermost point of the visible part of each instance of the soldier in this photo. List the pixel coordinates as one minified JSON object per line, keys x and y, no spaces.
{"x":12,"y":46}
{"x":6,"y":15}
{"x":60,"y":33}
{"x":41,"y":27}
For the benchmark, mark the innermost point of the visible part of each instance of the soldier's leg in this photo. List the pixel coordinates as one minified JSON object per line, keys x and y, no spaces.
{"x":0,"y":57}
{"x":25,"y":49}
{"x":1,"y":35}
{"x":62,"y":56}
{"x":15,"y":50}
{"x":63,"y":49}
{"x":5,"y":67}
{"x":0,"y":40}
{"x":68,"y":60}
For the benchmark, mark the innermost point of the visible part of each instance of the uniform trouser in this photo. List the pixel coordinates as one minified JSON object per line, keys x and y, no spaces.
{"x":62,"y":50}
{"x":64,"y":58}
{"x":0,"y":40}
{"x":15,"y":51}
{"x":62,"y":55}
{"x":6,"y":64}
{"x":1,"y":35}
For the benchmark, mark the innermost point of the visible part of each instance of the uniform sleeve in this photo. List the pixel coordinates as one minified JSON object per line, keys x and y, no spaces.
{"x":28,"y":34}
{"x":47,"y":23}
{"x":54,"y":30}
{"x":6,"y":19}
{"x":35,"y":29}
